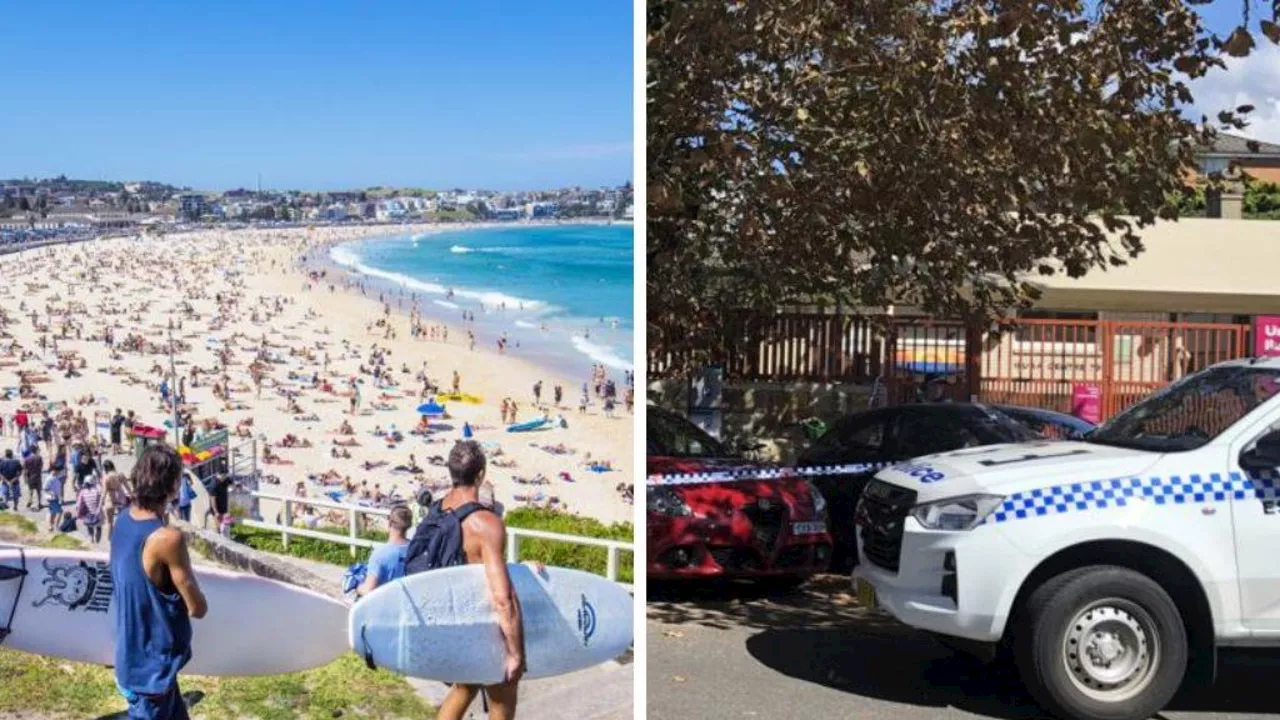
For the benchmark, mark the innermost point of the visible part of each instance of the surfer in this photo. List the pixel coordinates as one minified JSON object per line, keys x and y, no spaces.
{"x":154,"y":593}
{"x":482,"y":541}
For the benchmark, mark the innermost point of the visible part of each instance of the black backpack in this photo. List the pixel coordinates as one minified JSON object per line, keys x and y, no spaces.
{"x":437,"y":542}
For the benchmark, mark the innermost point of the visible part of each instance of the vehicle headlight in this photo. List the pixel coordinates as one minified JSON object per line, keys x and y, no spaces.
{"x":960,"y":513}
{"x":666,"y":501}
{"x":819,"y":502}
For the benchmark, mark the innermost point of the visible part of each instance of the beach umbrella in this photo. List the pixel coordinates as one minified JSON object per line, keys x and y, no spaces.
{"x":431,"y":409}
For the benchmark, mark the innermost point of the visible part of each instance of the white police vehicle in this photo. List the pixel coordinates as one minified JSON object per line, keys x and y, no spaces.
{"x":1112,"y":569}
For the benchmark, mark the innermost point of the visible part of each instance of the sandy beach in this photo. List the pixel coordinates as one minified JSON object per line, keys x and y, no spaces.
{"x":268,"y":346}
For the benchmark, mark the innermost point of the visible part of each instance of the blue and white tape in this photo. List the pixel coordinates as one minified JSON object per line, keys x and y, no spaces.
{"x":746,"y":474}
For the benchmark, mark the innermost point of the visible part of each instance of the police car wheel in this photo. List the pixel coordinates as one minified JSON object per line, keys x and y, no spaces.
{"x":1101,"y":643}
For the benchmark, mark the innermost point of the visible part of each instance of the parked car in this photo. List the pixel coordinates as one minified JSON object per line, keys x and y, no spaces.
{"x":891,"y":435}
{"x":1052,"y":424}
{"x":712,"y":514}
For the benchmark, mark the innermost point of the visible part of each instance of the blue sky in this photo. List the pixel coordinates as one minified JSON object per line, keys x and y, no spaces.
{"x":320,"y":94}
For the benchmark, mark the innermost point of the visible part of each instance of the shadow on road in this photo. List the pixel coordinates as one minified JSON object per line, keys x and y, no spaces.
{"x":822,"y":602}
{"x":819,"y":634}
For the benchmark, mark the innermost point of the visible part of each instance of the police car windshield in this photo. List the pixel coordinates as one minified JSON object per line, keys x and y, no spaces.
{"x":1191,"y":412}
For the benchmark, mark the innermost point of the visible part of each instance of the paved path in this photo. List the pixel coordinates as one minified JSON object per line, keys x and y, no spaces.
{"x":731,"y":653}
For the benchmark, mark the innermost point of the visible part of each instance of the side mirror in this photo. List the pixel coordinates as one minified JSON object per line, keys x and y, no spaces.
{"x":1265,"y":455}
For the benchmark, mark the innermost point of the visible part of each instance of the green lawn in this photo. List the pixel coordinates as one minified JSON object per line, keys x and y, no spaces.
{"x":550,"y":552}
{"x":344,"y":688}
{"x":17,"y":522}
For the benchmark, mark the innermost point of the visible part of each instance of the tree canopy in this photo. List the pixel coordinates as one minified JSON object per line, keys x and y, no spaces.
{"x":937,"y":155}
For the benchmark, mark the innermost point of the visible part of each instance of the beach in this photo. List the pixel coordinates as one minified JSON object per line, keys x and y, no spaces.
{"x":269,"y":337}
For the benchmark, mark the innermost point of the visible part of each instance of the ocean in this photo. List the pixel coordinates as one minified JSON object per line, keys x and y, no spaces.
{"x":561,"y":293}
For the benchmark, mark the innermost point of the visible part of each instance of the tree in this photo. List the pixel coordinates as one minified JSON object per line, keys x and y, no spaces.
{"x":896,"y":152}
{"x":24,"y":204}
{"x":479,"y":209}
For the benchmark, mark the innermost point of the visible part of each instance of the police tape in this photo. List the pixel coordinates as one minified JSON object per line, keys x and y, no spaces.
{"x":749,"y":474}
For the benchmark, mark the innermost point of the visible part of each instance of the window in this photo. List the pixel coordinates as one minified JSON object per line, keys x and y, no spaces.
{"x":669,"y":435}
{"x":925,"y":433}
{"x":858,"y":438}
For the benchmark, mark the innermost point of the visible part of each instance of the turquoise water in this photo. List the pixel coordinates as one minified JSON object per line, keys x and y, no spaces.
{"x":562,"y":293}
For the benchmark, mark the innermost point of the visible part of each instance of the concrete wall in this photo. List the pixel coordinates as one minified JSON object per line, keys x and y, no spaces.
{"x":769,"y":412}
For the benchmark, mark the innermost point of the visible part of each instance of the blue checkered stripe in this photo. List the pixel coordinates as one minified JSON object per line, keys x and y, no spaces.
{"x":1199,"y":488}
{"x":739,"y":475}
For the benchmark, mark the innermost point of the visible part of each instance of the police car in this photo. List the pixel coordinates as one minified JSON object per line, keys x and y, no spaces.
{"x":1109,"y":569}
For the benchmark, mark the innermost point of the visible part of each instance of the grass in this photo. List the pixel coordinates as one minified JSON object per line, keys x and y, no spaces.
{"x":550,"y":552}
{"x":63,"y":541}
{"x":571,"y":555}
{"x":303,"y":547}
{"x":18,"y":523}
{"x":344,"y":688}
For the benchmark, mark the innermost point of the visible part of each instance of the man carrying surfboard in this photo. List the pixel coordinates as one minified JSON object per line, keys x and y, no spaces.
{"x":457,"y":530}
{"x":154,"y":592}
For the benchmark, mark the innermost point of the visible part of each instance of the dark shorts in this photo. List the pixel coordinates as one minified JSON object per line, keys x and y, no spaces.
{"x":157,"y":707}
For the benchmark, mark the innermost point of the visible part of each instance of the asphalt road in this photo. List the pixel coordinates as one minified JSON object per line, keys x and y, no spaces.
{"x":733,"y":652}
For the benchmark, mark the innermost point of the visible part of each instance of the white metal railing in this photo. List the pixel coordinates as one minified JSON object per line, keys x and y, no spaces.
{"x":352,"y":539}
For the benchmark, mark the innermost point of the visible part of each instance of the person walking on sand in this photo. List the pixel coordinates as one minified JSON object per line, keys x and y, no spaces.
{"x":537,"y":393}
{"x":459,"y":529}
{"x":33,"y":471}
{"x":154,"y":593}
{"x":117,"y":427}
{"x":11,"y":479}
{"x":117,"y":494}
{"x":90,"y":508}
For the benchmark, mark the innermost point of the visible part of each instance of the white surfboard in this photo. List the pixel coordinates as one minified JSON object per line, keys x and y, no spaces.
{"x":255,"y":626}
{"x":441,"y":624}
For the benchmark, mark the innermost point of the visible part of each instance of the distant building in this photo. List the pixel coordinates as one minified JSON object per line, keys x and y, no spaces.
{"x":506,"y":213}
{"x":1258,"y":160}
{"x":538,"y":210}
{"x":192,"y":206}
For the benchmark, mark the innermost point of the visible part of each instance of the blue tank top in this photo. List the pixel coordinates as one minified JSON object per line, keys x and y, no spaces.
{"x":152,"y":628}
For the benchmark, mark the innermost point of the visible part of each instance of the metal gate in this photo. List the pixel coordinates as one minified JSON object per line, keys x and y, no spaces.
{"x":1039,"y":362}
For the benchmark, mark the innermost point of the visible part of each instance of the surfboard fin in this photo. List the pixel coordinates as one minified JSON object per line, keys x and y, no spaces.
{"x":368,"y":652}
{"x":11,"y":573}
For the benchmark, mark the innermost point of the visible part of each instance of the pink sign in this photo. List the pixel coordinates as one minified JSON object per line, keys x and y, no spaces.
{"x":1086,"y":402}
{"x":1266,"y":335}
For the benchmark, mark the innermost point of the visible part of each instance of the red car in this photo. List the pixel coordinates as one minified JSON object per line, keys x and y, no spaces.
{"x":704,"y":522}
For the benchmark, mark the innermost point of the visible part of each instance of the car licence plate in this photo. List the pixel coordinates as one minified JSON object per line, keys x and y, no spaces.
{"x":808,"y":528}
{"x":866,"y":593}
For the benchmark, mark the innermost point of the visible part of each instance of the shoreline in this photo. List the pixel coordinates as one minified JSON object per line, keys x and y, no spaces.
{"x":564,"y":355}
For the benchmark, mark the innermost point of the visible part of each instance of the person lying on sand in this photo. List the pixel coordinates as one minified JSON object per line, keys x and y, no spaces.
{"x":342,"y":454}
{"x":369,"y":465}
{"x":312,"y":417}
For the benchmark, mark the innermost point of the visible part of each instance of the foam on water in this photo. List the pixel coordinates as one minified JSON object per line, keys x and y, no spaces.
{"x":580,"y":276}
{"x":488,"y":298}
{"x":602,"y":354}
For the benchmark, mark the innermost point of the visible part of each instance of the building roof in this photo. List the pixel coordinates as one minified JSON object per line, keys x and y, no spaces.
{"x":1236,"y":145}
